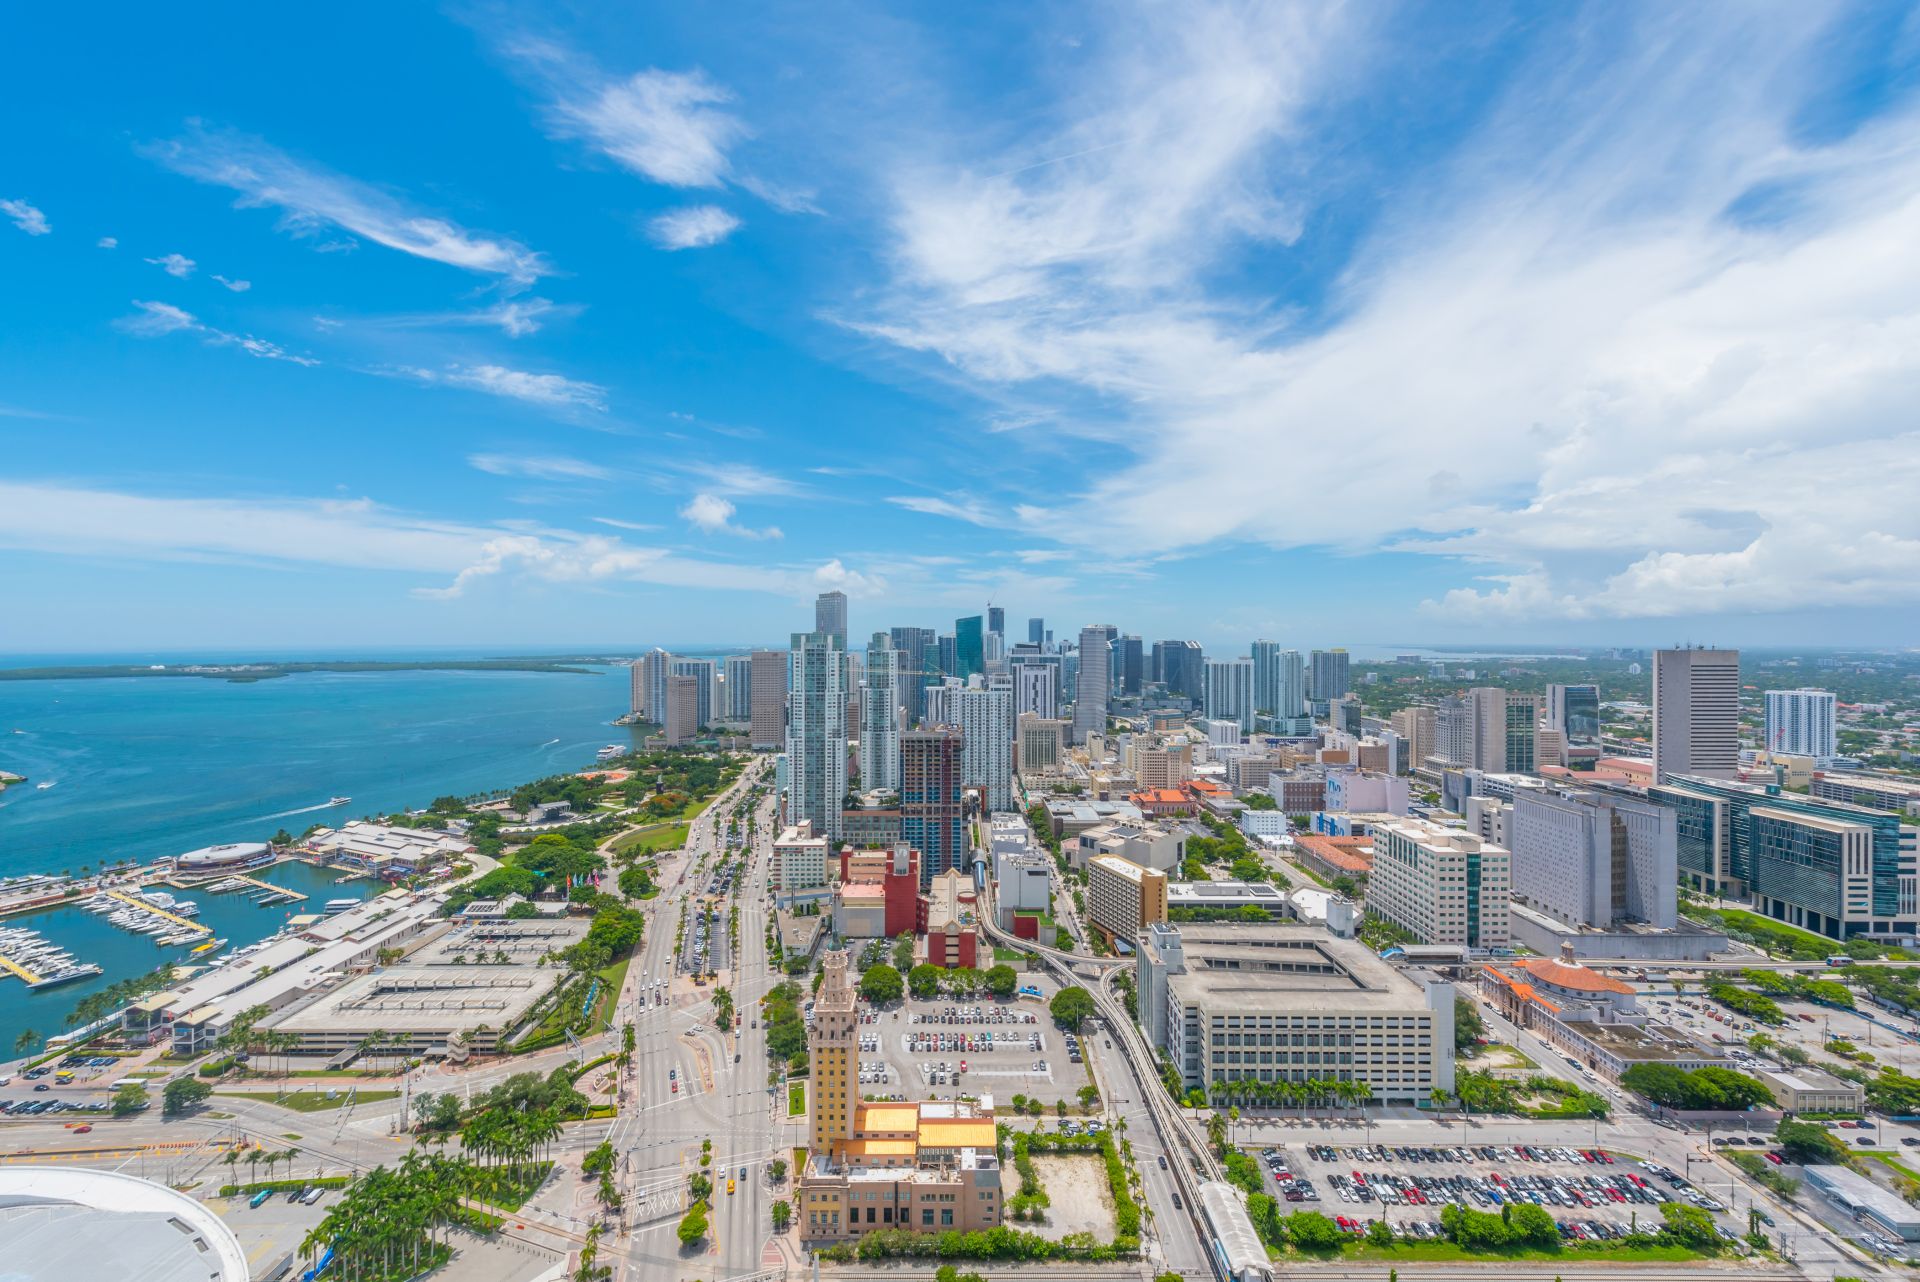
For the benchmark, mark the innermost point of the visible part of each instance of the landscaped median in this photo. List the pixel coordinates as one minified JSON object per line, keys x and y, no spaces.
{"x":1518,"y":1232}
{"x":310,"y":1101}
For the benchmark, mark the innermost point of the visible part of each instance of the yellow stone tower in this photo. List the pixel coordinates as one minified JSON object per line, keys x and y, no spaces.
{"x":833,"y":1051}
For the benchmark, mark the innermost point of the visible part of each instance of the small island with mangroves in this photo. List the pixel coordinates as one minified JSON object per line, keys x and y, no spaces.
{"x":268,"y":671}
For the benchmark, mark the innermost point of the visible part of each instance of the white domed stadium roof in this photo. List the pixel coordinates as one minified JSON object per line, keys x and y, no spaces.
{"x":75,"y":1224}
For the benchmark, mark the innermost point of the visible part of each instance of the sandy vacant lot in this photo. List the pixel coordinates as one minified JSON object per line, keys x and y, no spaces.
{"x":1076,"y":1185}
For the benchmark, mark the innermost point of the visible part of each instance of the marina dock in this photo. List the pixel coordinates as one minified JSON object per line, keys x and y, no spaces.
{"x":28,"y":957}
{"x":144,"y":906}
{"x":236,"y":882}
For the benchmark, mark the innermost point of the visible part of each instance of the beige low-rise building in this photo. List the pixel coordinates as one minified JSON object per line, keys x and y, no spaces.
{"x":1123,"y":898}
{"x":1808,"y":1090}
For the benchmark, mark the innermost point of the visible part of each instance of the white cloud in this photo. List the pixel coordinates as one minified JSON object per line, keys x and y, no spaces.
{"x":667,"y":126}
{"x":552,"y":390}
{"x":312,"y":199}
{"x":637,"y":526}
{"x":1619,"y":349}
{"x":970,"y":510}
{"x":714,"y":515}
{"x":106,"y":242}
{"x":514,"y":317}
{"x":237,"y":286}
{"x":540,"y":468}
{"x":156,"y":320}
{"x":178,"y":266}
{"x":741,"y":480}
{"x":833,"y":575}
{"x":362,"y":534}
{"x":692,"y":228}
{"x":26,"y":217}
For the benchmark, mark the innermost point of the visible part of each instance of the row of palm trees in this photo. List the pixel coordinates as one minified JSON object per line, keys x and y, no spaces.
{"x":1315,"y":1092}
{"x":392,"y":1224}
{"x":256,"y":1157}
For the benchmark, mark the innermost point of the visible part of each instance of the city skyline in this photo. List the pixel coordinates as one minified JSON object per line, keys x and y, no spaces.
{"x":559,"y":330}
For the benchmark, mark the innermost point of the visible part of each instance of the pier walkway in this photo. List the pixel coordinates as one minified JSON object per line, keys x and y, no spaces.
{"x":134,"y":901}
{"x":257,"y":884}
{"x":15,"y":968}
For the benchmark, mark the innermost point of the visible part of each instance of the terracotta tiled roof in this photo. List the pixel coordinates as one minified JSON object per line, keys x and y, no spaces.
{"x":1573,"y":978}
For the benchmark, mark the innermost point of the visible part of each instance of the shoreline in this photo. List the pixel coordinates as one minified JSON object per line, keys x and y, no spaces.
{"x":249,"y":672}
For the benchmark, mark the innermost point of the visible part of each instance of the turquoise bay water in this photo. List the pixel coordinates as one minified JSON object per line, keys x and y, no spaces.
{"x":145,"y":767}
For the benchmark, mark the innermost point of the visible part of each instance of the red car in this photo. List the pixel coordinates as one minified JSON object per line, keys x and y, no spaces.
{"x":1776,"y":1159}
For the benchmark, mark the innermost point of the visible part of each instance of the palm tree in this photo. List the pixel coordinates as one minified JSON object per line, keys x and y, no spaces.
{"x":24,"y":1043}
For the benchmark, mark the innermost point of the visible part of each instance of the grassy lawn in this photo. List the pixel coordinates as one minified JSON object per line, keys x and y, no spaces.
{"x":796,"y":1099}
{"x":651,"y":839}
{"x":507,"y":1187}
{"x":1893,"y":1163}
{"x":604,"y":1002}
{"x":310,"y":1101}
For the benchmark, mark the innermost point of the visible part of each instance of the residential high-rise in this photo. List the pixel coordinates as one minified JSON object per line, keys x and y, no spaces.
{"x":1417,"y":726}
{"x":1800,"y":723}
{"x":947,"y":647}
{"x":767,"y":698}
{"x":985,"y":718}
{"x":1180,"y":666}
{"x":1036,"y":682}
{"x":1574,"y":710}
{"x":1444,"y":885}
{"x":969,"y":648}
{"x":1327,"y":675}
{"x":830,"y":615}
{"x":682,"y":721}
{"x":1093,"y":683}
{"x":1036,"y":631}
{"x":1130,"y":664}
{"x":701,"y":670}
{"x":880,"y":718}
{"x":1229,"y":690}
{"x":932,"y":809}
{"x":737,"y":680}
{"x":637,"y":688}
{"x":655,"y":667}
{"x":1696,"y":713}
{"x":1042,"y":748}
{"x":817,"y":732}
{"x":915,"y":664}
{"x":997,"y":620}
{"x":1279,"y":681}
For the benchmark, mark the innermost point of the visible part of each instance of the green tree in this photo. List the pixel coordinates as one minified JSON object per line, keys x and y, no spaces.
{"x":130,"y":1098}
{"x":24,"y":1043}
{"x":181,"y":1094}
{"x":1379,"y":1234}
{"x":777,"y":1169}
{"x":782,"y":1215}
{"x":903,"y":952}
{"x":693,"y":1225}
{"x":1690,"y":1226}
{"x":1002,"y":980}
{"x":882,"y":984}
{"x":1312,"y":1231}
{"x":1071,"y":1006}
{"x":1809,"y":1144}
{"x":923,"y":981}
{"x":1468,"y":1027}
{"x":1529,"y":1225}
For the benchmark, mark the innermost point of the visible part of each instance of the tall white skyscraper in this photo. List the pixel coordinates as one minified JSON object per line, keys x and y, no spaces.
{"x":1229,"y":693}
{"x":701,"y":670}
{"x":985,"y":718}
{"x":1800,"y":723}
{"x":1696,"y":713}
{"x":737,"y":680}
{"x":656,"y":666}
{"x":830,"y":615}
{"x":817,"y":731}
{"x":880,"y":717}
{"x":1093,"y":681}
{"x":1036,"y":683}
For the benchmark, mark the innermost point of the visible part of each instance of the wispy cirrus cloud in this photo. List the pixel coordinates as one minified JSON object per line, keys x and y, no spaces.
{"x":671,"y":127}
{"x":1633,"y":287}
{"x":541,"y":467}
{"x":236,"y":286}
{"x":313,"y":200}
{"x":178,"y":266}
{"x":157,"y":320}
{"x":107,"y":242}
{"x":740,"y":479}
{"x":554,"y":391}
{"x":693,"y":228}
{"x":714,"y":515}
{"x":359,"y":533}
{"x":26,"y":217}
{"x":970,"y":510}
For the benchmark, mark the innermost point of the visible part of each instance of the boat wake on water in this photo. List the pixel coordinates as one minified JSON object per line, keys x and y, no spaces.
{"x":303,"y":810}
{"x":549,"y":743}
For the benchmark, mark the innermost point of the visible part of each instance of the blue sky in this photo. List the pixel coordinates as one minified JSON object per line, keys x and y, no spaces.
{"x":505,"y":326}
